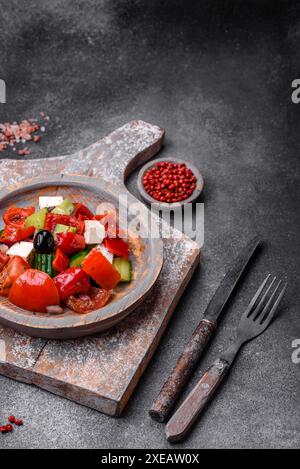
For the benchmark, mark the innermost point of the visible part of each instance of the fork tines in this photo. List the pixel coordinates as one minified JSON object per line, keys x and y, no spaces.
{"x":265,"y":302}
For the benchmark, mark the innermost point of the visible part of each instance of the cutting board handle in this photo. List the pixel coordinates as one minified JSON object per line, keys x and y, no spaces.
{"x":122,"y":151}
{"x":112,"y":158}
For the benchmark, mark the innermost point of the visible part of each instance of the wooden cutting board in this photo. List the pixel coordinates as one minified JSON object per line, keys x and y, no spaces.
{"x":101,"y":371}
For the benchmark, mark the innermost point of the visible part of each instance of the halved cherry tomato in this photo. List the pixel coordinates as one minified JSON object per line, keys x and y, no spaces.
{"x":52,"y":219}
{"x":13,"y":234}
{"x":15,"y":267}
{"x":34,"y":290}
{"x":15,"y":216}
{"x":4,"y":258}
{"x":70,"y":243}
{"x":101,"y":270}
{"x":94,"y":298}
{"x":61,"y":262}
{"x":117,"y":246}
{"x":82,"y":213}
{"x":72,"y":281}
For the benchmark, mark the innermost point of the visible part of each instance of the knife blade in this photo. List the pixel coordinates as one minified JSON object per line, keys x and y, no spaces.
{"x":201,"y":336}
{"x":229,"y":282}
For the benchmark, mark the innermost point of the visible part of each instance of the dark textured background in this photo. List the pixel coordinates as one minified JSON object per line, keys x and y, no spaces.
{"x":217,"y":75}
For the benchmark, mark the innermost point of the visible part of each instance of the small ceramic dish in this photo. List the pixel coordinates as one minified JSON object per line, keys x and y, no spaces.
{"x":150,"y":200}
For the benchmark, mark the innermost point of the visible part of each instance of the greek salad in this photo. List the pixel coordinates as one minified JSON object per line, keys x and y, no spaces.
{"x":61,"y":254}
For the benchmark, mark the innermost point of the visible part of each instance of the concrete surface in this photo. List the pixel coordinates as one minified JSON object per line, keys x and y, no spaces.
{"x":217,"y":76}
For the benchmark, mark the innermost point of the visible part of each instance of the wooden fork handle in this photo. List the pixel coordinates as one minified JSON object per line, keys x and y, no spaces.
{"x":184,"y":418}
{"x":182,"y":371}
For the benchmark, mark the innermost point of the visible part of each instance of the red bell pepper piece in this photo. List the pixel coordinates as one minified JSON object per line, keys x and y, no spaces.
{"x":17,"y":216}
{"x":61,"y":262}
{"x":109,"y":221}
{"x":70,"y":243}
{"x":99,"y":217}
{"x":71,"y":282}
{"x":12,"y":234}
{"x":82,"y":213}
{"x":117,"y":246}
{"x":52,"y":219}
{"x":101,"y":270}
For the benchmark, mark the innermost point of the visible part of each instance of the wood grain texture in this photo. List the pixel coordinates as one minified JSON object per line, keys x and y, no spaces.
{"x":182,"y":371}
{"x":184,"y":418}
{"x":101,"y":371}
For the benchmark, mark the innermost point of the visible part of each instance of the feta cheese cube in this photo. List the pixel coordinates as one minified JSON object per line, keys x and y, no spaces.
{"x":109,"y":256}
{"x":47,"y":202}
{"x":94,"y":232}
{"x":23,"y":249}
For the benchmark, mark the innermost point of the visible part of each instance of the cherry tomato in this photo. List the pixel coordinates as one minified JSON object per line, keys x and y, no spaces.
{"x":13,"y":234}
{"x":101,"y":270}
{"x":117,"y":246}
{"x":61,"y":262}
{"x":94,"y":298}
{"x":34,"y":291}
{"x":72,"y":281}
{"x":70,"y":243}
{"x":4,"y":258}
{"x":82,"y":213}
{"x":15,"y":216}
{"x":13,"y":269}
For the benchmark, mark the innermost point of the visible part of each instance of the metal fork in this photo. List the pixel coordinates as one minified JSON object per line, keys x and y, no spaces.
{"x":254,"y":322}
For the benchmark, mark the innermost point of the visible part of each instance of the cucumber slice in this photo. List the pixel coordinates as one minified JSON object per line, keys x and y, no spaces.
{"x":63,"y":229}
{"x":124,"y":267}
{"x":37,"y":261}
{"x":44,"y":262}
{"x":65,"y":208}
{"x":37,"y":219}
{"x":78,"y":258}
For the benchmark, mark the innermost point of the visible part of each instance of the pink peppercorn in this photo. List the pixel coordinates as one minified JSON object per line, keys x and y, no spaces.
{"x":170,"y":182}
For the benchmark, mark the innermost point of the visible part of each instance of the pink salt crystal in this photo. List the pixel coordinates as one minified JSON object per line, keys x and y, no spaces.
{"x":24,"y":152}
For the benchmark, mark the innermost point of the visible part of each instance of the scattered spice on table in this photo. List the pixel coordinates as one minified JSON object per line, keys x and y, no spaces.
{"x":170,"y":182}
{"x":8,"y":428}
{"x":18,"y":422}
{"x":19,"y":135}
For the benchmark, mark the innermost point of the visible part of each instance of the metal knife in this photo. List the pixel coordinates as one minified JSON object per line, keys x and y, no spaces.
{"x":188,"y":361}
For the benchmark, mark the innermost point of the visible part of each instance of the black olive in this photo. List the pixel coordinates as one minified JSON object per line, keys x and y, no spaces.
{"x":43,"y":242}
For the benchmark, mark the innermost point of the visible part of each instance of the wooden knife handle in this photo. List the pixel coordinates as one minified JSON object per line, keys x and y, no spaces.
{"x":184,"y":418}
{"x":182,"y":371}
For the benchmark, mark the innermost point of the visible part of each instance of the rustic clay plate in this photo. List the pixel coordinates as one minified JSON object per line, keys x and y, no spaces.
{"x":127,"y":297}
